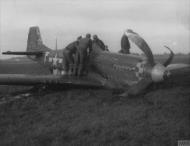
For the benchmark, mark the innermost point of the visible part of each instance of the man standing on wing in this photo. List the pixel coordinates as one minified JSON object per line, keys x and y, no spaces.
{"x":69,"y":54}
{"x":83,"y":51}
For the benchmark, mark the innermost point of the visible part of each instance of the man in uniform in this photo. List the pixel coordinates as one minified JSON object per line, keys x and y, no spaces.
{"x":125,"y":45}
{"x":69,"y":54}
{"x":83,"y":51}
{"x":99,"y":42}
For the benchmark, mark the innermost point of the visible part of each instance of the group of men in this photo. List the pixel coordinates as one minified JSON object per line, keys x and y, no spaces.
{"x":76,"y":54}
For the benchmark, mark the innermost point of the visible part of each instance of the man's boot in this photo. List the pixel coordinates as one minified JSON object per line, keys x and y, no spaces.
{"x":75,"y":70}
{"x":80,"y":67}
{"x":70,"y":72}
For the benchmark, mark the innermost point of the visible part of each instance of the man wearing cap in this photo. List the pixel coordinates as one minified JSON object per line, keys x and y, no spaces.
{"x":83,"y":51}
{"x":99,"y":42}
{"x":69,"y":54}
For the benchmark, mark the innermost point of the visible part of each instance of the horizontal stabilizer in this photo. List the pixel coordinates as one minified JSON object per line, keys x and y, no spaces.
{"x":36,"y":53}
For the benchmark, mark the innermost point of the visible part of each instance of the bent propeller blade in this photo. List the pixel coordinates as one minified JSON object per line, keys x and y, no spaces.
{"x":169,"y":60}
{"x":141,"y":43}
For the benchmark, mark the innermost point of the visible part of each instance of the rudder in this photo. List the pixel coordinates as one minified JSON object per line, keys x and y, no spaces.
{"x":34,"y":42}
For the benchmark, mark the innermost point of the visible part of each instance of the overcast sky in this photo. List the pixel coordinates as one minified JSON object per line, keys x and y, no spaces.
{"x":160,"y":22}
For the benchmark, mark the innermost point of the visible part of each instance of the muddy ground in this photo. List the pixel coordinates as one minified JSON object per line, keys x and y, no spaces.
{"x":161,"y":116}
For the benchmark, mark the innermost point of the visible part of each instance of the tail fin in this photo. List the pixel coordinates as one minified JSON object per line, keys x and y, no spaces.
{"x":35,"y":47}
{"x":34,"y":42}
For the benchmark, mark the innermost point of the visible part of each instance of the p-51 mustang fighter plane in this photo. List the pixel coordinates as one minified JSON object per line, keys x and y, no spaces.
{"x":125,"y":72}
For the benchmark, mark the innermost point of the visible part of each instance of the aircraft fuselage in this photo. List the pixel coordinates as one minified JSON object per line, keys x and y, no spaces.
{"x":120,"y":69}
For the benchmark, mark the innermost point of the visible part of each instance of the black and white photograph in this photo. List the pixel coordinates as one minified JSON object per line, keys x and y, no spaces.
{"x":94,"y":73}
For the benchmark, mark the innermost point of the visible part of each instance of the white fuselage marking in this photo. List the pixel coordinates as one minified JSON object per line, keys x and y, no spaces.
{"x":55,"y":61}
{"x":140,"y":70}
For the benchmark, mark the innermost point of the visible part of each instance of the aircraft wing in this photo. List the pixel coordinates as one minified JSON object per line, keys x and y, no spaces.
{"x":177,"y":66}
{"x":179,"y":72}
{"x":62,"y":80}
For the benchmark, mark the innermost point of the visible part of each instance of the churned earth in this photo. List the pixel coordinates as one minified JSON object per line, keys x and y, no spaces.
{"x":161,"y":116}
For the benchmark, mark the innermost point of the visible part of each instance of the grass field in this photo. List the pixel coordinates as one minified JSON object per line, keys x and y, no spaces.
{"x":24,"y":66}
{"x":76,"y":117}
{"x":178,"y":58}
